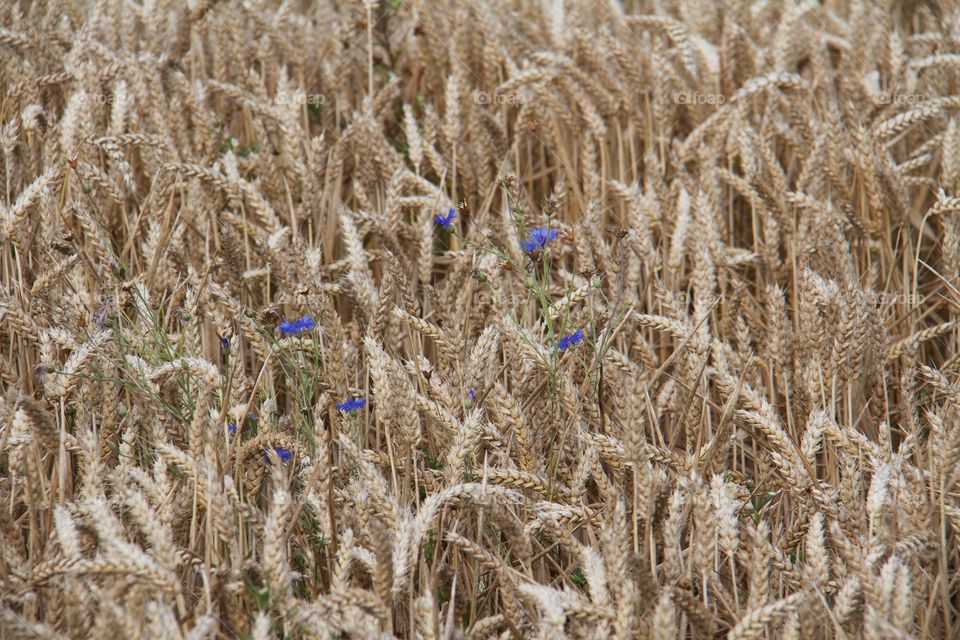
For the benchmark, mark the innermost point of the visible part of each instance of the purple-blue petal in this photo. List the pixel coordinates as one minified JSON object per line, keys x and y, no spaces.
{"x":570,"y":340}
{"x":283,"y":454}
{"x":304,"y":323}
{"x":351,"y":404}
{"x":445,"y":221}
{"x":538,"y":238}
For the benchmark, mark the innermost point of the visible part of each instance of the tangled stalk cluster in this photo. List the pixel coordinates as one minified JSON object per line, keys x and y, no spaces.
{"x":453,"y":319}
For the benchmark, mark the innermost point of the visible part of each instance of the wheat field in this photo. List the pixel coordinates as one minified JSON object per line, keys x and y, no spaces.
{"x":446,"y":319}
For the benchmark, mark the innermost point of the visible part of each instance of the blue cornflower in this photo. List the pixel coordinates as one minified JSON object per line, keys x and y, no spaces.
{"x":537,"y":238}
{"x":445,"y":221}
{"x":472,"y":394}
{"x":572,"y":339}
{"x":351,"y":404}
{"x":289,"y":327}
{"x":232,"y":428}
{"x":224,"y":342}
{"x":283,"y":454}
